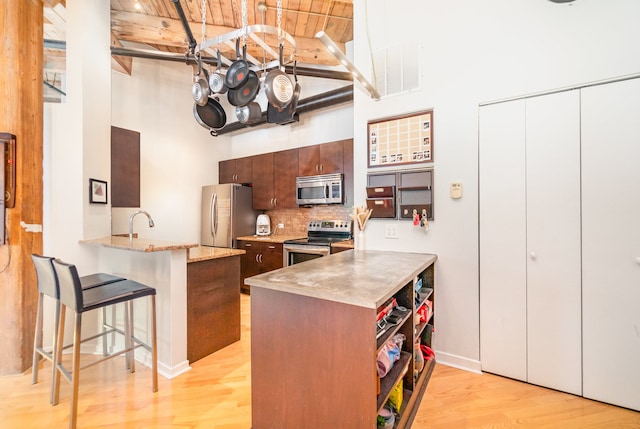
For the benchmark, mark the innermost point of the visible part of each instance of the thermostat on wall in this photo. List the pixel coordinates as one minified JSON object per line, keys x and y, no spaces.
{"x":456,"y":190}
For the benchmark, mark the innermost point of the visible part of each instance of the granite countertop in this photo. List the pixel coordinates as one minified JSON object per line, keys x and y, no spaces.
{"x":205,"y":253}
{"x":138,"y":244}
{"x":365,"y":278}
{"x":272,"y":238}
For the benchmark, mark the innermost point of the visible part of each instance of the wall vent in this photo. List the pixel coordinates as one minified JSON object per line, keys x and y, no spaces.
{"x":397,"y":68}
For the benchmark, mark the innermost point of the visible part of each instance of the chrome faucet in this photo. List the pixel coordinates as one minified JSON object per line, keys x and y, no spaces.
{"x":151,"y":223}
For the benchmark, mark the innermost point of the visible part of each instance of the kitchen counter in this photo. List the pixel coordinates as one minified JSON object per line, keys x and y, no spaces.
{"x":272,"y":238}
{"x":358,"y":278}
{"x":346,"y":244}
{"x":138,"y":244}
{"x":205,"y":253}
{"x":313,"y":327}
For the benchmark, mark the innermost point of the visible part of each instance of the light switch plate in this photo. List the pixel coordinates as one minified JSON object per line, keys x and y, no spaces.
{"x":456,"y":190}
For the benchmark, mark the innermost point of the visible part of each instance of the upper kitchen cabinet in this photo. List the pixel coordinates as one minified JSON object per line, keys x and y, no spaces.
{"x":273,"y":189}
{"x":235,"y":170}
{"x":324,"y":158}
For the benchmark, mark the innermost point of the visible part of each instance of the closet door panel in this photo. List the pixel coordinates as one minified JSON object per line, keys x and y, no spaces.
{"x":611,"y":242}
{"x":554,"y":352}
{"x":502,"y":240}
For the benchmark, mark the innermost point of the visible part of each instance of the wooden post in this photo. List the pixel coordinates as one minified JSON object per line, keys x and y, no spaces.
{"x":21,"y":113}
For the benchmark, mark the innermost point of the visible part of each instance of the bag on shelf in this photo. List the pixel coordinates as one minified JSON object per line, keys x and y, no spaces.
{"x":389,"y":354}
{"x":395,"y":398}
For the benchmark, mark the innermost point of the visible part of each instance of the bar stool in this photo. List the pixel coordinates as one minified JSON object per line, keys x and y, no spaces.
{"x":47,"y":283}
{"x":80,"y":300}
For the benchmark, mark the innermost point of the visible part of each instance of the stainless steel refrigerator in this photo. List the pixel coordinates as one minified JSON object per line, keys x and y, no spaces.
{"x":227,"y":213}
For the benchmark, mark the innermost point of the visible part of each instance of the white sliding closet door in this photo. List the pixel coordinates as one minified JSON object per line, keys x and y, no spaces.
{"x":611,"y":242}
{"x":554,"y":353}
{"x":503,"y":335}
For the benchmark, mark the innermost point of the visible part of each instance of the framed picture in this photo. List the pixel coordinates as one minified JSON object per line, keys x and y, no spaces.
{"x":399,"y":140}
{"x":97,"y":191}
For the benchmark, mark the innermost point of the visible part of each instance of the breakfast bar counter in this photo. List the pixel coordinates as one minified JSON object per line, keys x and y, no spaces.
{"x":163,"y":266}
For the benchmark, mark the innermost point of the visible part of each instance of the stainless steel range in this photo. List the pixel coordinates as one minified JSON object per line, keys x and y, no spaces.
{"x":320,"y":235}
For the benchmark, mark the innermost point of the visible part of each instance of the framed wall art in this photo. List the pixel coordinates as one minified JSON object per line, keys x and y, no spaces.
{"x":399,"y":140}
{"x":97,"y":191}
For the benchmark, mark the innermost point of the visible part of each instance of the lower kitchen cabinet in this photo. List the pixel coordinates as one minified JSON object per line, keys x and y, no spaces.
{"x":315,"y":343}
{"x":260,"y":257}
{"x":213,"y":305}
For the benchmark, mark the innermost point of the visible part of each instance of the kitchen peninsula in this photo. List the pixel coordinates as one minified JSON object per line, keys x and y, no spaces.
{"x":314,"y":342}
{"x":165,"y":266}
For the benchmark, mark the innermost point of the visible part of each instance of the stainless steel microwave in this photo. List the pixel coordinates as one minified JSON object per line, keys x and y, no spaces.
{"x":323,"y":189}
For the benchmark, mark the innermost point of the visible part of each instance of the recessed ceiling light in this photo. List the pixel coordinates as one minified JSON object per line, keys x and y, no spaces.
{"x":137,"y":5}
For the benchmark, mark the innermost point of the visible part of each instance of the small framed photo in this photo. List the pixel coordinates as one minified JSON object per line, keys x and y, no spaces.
{"x":97,"y":191}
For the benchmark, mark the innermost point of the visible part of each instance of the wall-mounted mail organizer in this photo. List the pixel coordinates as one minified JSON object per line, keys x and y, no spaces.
{"x":397,"y":194}
{"x":382,"y":201}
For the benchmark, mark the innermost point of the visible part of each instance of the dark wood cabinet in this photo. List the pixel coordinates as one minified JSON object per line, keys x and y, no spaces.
{"x":237,"y":170}
{"x":260,"y":257}
{"x":263,"y":182}
{"x":324,"y":158}
{"x":274,"y":180}
{"x":327,"y":338}
{"x":285,"y":171}
{"x":213,"y":305}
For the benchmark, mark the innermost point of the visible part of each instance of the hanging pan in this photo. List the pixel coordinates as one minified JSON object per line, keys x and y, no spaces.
{"x":293,"y":105}
{"x":245,"y":93}
{"x":278,"y":87}
{"x":249,"y":114}
{"x":210,"y":116}
{"x":217,"y":79}
{"x":200,"y":90}
{"x":239,"y":69}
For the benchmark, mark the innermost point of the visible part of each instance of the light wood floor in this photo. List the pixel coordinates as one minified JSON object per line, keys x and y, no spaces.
{"x":216,"y":393}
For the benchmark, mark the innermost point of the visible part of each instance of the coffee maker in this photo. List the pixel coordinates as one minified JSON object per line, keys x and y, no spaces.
{"x":263,"y":225}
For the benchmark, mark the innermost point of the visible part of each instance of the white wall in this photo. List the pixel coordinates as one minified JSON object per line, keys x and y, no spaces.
{"x":474,"y":52}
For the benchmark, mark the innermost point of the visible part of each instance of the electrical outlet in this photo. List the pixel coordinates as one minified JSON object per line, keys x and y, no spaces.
{"x":281,"y":225}
{"x":390,"y":231}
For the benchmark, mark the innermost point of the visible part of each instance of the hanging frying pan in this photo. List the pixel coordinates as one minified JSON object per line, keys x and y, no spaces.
{"x":278,"y":87}
{"x":210,"y":116}
{"x":217,"y":79}
{"x":293,"y":105}
{"x":200,"y":90}
{"x":246,"y":92}
{"x":239,"y":69}
{"x":249,"y":114}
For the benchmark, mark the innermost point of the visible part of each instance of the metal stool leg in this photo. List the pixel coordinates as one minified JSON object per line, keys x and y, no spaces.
{"x":154,"y":345}
{"x":37,"y":341}
{"x":57,"y":356}
{"x":75,"y":372}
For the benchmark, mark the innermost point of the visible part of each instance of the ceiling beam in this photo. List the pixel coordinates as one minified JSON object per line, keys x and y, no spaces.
{"x":119,"y":63}
{"x":133,"y":27}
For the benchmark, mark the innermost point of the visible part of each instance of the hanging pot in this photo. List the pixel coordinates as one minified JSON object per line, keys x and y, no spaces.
{"x":249,"y":114}
{"x":217,"y":79}
{"x":210,"y":116}
{"x":278,"y":87}
{"x":200,"y":90}
{"x":296,"y":91}
{"x":245,"y":93}
{"x":239,"y":69}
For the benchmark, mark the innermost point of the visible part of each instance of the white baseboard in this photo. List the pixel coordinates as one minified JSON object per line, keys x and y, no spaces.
{"x":459,"y":362}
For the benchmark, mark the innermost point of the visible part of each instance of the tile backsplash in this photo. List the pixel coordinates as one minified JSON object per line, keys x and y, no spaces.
{"x":295,"y":220}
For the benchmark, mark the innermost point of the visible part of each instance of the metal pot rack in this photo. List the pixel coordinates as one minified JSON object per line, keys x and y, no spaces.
{"x":258,"y":34}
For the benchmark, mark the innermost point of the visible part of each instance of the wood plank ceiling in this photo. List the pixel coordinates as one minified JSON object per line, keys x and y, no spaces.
{"x":156,"y":25}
